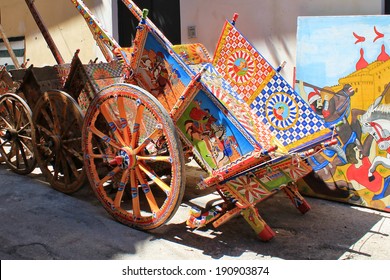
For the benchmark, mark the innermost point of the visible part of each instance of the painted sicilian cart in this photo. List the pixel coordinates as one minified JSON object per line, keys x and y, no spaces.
{"x":234,"y":114}
{"x":41,"y":115}
{"x":7,"y":84}
{"x":21,"y":89}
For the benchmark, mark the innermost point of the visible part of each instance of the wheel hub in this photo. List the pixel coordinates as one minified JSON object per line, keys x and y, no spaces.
{"x":125,"y":158}
{"x":10,"y":134}
{"x":54,"y":141}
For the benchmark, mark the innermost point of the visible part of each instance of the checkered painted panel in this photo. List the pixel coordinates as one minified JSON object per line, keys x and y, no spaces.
{"x":240,"y":110}
{"x":275,"y":103}
{"x":299,"y":122}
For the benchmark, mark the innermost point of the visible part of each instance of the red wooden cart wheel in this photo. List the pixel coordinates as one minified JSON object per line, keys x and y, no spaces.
{"x":133,"y":156}
{"x":57,"y":143}
{"x":16,"y":134}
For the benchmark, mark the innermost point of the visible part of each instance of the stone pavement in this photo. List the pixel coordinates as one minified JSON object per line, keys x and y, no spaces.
{"x":38,"y":222}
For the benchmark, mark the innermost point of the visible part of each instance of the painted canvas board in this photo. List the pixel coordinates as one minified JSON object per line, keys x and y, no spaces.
{"x":343,"y":72}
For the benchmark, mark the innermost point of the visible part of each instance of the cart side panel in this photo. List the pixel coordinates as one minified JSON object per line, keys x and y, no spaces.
{"x":18,"y":74}
{"x":213,"y":133}
{"x":85,"y":81}
{"x":7,"y":84}
{"x":270,"y":97}
{"x":98,"y":76}
{"x":256,"y":185}
{"x":104,"y":74}
{"x":225,"y":93}
{"x":76,"y":78}
{"x":161,"y":72}
{"x":38,"y":80}
{"x":193,"y":54}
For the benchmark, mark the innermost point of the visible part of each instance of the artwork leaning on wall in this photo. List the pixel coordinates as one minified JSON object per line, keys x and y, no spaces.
{"x":343,"y":72}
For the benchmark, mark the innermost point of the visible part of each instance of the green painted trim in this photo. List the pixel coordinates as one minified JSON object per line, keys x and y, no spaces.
{"x":18,"y":53}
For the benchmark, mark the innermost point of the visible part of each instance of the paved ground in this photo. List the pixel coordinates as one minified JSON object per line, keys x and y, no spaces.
{"x":38,"y":222}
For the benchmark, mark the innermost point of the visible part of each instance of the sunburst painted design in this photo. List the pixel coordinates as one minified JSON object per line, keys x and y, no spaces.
{"x":241,"y":66}
{"x":281,"y":111}
{"x":298,"y":171}
{"x":249,"y":188}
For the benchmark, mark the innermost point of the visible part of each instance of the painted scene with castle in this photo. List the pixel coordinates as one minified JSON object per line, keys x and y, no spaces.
{"x":343,"y":72}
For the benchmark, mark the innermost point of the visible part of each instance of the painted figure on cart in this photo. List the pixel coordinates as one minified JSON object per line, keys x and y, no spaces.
{"x":214,"y":138}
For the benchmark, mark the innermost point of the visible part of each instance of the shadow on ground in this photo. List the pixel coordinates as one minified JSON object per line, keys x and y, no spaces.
{"x":40,"y":223}
{"x":327,"y":231}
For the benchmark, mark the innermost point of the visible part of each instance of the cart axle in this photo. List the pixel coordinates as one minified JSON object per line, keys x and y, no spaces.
{"x":125,"y":159}
{"x":10,"y":134}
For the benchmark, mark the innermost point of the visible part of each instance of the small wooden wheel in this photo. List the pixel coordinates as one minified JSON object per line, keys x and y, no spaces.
{"x":57,"y":143}
{"x":16,"y":134}
{"x":133,"y":156}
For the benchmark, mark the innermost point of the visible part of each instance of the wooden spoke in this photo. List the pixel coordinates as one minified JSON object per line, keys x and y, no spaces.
{"x":155,"y":178}
{"x":8,"y":125}
{"x":7,"y":109}
{"x":155,"y":158}
{"x":18,"y":119}
{"x":105,"y":138}
{"x":135,"y":194}
{"x":16,"y":149}
{"x":23,"y":128}
{"x":71,"y":140}
{"x":155,"y":134}
{"x":147,"y":191}
{"x":54,"y":113}
{"x":14,"y":112}
{"x":25,"y":146}
{"x":65,"y":167}
{"x":121,"y":189}
{"x":137,"y":125}
{"x":22,"y":152}
{"x":71,"y":164}
{"x":101,"y":156}
{"x":123,"y":121}
{"x":57,"y":166}
{"x":25,"y":138}
{"x":48,"y":119}
{"x":43,"y":129}
{"x":65,"y":116}
{"x":73,"y":152}
{"x":109,"y":175}
{"x":107,"y":115}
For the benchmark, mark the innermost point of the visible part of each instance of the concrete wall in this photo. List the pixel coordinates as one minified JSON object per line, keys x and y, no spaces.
{"x":269,"y":24}
{"x":65,"y":24}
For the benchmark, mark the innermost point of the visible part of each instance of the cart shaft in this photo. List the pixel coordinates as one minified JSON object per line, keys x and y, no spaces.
{"x":9,"y":48}
{"x":105,"y":41}
{"x":45,"y":32}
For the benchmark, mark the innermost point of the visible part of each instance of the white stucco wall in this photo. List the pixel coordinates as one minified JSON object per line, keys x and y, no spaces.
{"x":66,"y":26}
{"x":271,"y":25}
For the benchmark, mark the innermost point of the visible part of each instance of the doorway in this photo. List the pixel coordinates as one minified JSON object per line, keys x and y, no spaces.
{"x":165,"y":14}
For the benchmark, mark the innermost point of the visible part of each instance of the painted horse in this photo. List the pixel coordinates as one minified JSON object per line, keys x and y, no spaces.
{"x":376,"y":122}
